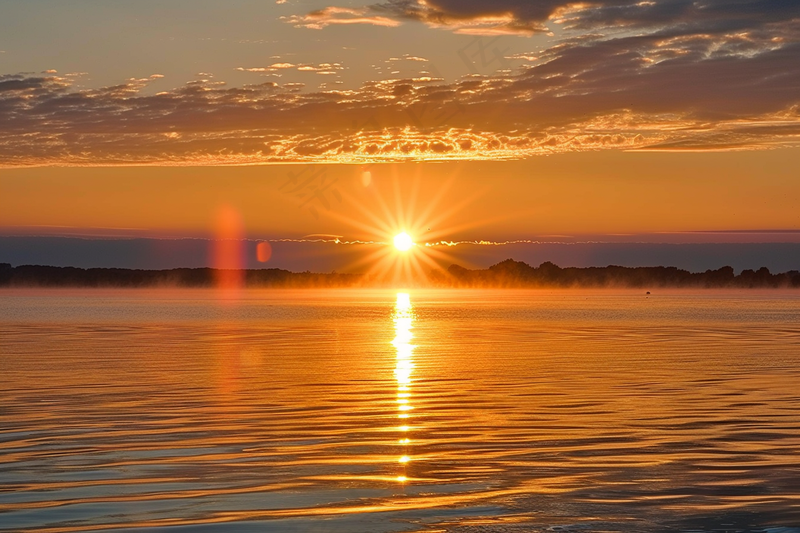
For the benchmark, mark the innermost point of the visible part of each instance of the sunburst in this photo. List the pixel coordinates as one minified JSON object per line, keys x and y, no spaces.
{"x":404,"y":228}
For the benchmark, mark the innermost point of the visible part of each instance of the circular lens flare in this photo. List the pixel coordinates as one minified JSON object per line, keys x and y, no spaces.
{"x":403,"y":242}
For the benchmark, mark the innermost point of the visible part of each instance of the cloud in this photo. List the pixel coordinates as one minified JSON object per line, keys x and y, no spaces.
{"x":339,"y":15}
{"x":407,"y":57}
{"x":666,"y":89}
{"x":491,"y":17}
{"x":321,"y":68}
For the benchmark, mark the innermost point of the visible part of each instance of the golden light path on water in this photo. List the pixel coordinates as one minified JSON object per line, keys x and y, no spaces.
{"x":403,"y":322}
{"x":399,"y":411}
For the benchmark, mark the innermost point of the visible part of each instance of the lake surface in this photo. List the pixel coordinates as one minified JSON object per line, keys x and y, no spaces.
{"x":380,"y":411}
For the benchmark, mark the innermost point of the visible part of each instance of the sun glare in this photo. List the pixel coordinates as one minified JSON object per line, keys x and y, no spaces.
{"x":391,"y":229}
{"x":403,"y":242}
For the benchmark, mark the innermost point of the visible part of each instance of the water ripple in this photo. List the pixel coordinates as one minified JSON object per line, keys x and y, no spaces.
{"x":501,"y":411}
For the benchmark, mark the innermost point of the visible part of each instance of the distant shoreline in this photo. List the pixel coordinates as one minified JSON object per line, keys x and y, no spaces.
{"x":506,"y":274}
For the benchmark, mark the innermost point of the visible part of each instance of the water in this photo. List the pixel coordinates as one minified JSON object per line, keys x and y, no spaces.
{"x":462,"y":411}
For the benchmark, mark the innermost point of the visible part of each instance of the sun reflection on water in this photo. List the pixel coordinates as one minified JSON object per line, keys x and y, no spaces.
{"x":403,"y":323}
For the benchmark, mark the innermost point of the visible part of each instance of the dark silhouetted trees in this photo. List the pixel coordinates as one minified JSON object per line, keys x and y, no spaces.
{"x":47,"y":276}
{"x":508,"y":273}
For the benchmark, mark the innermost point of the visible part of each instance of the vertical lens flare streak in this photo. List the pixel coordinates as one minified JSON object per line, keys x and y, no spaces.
{"x":403,"y":323}
{"x":228,"y":252}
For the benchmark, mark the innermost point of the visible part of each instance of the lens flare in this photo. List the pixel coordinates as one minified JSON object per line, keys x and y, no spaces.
{"x":228,"y":254}
{"x":403,"y":242}
{"x":263,"y":251}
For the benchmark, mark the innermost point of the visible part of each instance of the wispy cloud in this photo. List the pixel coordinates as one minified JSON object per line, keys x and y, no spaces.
{"x":320,"y":68}
{"x":340,"y":15}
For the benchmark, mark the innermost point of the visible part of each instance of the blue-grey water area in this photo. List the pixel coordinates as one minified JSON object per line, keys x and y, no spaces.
{"x":389,"y":411}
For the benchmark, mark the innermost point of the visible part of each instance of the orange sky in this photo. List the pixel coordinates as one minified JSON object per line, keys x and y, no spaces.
{"x":570,"y":194}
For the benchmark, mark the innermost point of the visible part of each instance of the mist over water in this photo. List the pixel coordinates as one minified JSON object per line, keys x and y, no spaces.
{"x":347,"y":410}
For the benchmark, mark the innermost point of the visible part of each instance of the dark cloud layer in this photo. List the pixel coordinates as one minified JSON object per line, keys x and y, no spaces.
{"x":693,"y":76}
{"x":526,"y":16}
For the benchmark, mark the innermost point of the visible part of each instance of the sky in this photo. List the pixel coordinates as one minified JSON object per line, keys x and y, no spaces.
{"x":507,"y":124}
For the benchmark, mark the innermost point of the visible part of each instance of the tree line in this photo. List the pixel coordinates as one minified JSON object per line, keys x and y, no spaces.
{"x":508,"y":273}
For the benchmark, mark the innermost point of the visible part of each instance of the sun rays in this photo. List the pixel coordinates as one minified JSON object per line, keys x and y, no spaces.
{"x":393,"y":212}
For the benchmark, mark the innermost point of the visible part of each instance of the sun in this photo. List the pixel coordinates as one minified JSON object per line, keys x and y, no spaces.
{"x":406,"y":235}
{"x":403,"y":242}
